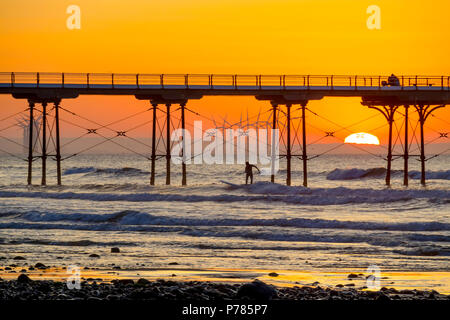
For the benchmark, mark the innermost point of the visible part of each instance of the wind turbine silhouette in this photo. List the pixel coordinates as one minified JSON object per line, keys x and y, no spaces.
{"x":24,"y":123}
{"x":243,"y":127}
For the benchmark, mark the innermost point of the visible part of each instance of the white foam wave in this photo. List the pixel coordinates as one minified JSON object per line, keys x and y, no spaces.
{"x":376,"y":173}
{"x":355,"y":173}
{"x":398,"y":241}
{"x":424,"y":251}
{"x":78,"y":170}
{"x":126,"y":171}
{"x":431,"y":175}
{"x":140,"y":218}
{"x":262,"y":191}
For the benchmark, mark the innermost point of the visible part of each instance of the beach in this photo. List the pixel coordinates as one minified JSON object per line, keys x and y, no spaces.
{"x":39,"y":282}
{"x":107,"y":221}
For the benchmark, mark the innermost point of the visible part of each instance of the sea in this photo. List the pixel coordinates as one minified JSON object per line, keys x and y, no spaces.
{"x":345,"y":219}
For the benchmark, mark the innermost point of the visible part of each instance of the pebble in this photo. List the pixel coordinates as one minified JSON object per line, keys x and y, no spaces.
{"x":383,"y":297}
{"x":115,"y":250}
{"x":94,"y":255}
{"x":23,"y":278}
{"x":257,"y":290}
{"x":126,"y":289}
{"x":142,"y":281}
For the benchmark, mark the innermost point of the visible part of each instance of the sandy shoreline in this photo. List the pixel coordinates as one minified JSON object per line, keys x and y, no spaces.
{"x":342,"y":285}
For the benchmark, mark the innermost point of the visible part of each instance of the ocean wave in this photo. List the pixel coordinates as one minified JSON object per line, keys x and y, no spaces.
{"x":428,"y":251}
{"x":288,"y":247}
{"x":261,"y":191}
{"x":392,"y":240}
{"x":355,"y":173}
{"x":130,"y":217}
{"x":336,"y":174}
{"x":375,"y":173}
{"x":431,"y":175}
{"x":269,"y":188}
{"x":126,"y":171}
{"x":74,"y":243}
{"x":78,"y":170}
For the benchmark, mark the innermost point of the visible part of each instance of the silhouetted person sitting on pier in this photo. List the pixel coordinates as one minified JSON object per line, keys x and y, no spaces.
{"x":249,"y":172}
{"x":393,"y":81}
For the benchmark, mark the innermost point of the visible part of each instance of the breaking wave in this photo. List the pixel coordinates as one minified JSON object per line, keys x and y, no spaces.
{"x":434,"y":175}
{"x":127,"y":171}
{"x":130,"y":217}
{"x":261,"y":191}
{"x":375,"y":173}
{"x":399,"y":241}
{"x":355,"y":173}
{"x":336,"y":174}
{"x":428,"y":251}
{"x":428,"y":238}
{"x":78,"y":170}
{"x":75,"y":243}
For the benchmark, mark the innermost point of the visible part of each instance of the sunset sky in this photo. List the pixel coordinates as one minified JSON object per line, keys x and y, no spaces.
{"x":231,"y":37}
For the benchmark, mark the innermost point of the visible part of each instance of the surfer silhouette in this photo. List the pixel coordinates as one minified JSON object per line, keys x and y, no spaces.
{"x":249,"y":172}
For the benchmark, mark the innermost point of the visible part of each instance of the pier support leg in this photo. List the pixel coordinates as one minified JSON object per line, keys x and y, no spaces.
{"x":406,"y":151}
{"x":30,"y":142}
{"x":288,"y":151}
{"x":44,"y":143}
{"x":153,"y":156}
{"x":424,"y":113}
{"x":304,"y":155}
{"x":183,"y":145}
{"x":273,"y":142}
{"x":420,"y":110}
{"x":389,"y":155}
{"x":58,"y":144}
{"x":168,"y":143}
{"x":388,"y":112}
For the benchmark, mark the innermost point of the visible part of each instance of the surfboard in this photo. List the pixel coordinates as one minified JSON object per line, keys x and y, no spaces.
{"x":231,"y":184}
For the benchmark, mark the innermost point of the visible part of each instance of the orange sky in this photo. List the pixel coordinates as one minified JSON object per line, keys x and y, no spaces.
{"x":227,"y":36}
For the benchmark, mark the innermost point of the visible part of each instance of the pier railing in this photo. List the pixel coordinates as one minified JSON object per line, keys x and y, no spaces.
{"x":213,"y":81}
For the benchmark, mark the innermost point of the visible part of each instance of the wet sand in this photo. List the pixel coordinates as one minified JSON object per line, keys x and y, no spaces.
{"x":289,"y":284}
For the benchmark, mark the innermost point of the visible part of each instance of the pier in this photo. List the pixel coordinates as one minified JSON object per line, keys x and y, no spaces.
{"x":423,"y":94}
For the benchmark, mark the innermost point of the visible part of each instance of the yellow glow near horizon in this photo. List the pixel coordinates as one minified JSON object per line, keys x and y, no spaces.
{"x":362,"y":138}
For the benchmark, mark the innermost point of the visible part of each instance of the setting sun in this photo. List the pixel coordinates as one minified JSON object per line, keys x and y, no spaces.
{"x":362,"y":138}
